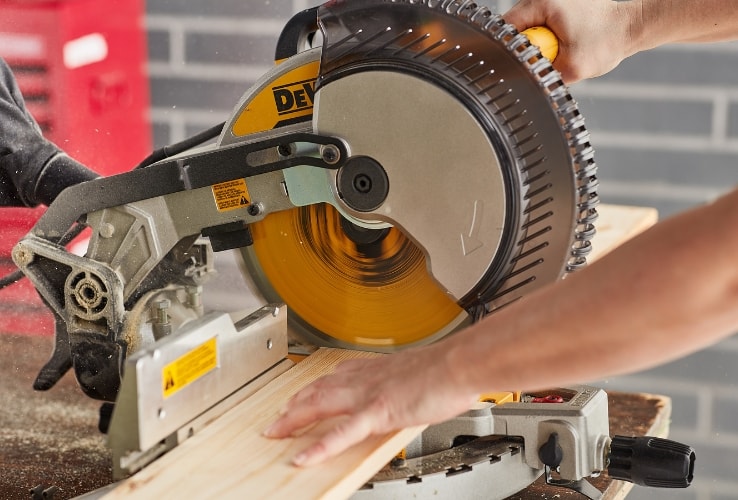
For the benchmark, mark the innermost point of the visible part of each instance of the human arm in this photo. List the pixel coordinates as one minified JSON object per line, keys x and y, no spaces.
{"x":669,"y":291}
{"x":604,"y":32}
{"x":33,"y":170}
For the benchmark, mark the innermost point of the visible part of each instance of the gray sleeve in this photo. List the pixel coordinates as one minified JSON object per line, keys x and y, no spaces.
{"x":33,"y":170}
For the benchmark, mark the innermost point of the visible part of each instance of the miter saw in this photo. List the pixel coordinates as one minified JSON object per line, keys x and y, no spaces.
{"x":407,"y":167}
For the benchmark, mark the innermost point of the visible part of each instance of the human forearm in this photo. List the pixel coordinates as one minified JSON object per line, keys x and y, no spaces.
{"x":669,"y":291}
{"x":657,"y":22}
{"x":596,"y":35}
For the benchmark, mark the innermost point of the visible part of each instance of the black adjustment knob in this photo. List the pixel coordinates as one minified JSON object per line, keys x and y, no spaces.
{"x":550,"y":453}
{"x":650,"y":461}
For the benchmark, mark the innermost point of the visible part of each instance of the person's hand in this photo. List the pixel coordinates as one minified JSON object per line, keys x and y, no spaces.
{"x":378,"y":395}
{"x":594,"y":35}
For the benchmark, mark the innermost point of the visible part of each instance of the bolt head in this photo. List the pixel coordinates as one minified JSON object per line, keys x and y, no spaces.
{"x":330,"y":154}
{"x":107,"y":230}
{"x":163,"y":304}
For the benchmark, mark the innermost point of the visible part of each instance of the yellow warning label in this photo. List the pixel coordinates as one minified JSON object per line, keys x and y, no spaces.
{"x":231,"y":195}
{"x":189,"y":367}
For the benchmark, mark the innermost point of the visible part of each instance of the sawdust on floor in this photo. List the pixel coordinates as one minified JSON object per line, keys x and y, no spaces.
{"x":47,"y":439}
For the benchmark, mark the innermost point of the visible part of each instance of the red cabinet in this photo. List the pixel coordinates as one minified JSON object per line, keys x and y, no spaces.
{"x":81,"y":66}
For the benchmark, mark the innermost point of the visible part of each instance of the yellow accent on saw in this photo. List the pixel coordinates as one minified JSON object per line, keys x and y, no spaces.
{"x":378,"y":295}
{"x":500,"y":397}
{"x":286,"y":99}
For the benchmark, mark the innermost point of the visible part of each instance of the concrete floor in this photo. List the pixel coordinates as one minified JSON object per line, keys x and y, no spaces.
{"x":47,"y":439}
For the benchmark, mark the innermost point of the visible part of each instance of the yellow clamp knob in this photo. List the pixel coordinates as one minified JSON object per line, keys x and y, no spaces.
{"x":545,"y":40}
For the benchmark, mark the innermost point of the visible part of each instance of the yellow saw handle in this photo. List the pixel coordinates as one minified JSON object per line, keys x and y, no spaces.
{"x":545,"y":40}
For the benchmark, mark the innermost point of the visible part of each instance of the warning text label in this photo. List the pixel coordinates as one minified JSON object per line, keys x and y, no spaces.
{"x":231,"y":195}
{"x":189,"y":367}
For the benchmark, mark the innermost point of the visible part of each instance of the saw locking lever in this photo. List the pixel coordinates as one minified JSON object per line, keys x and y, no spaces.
{"x":651,"y":461}
{"x":645,"y":461}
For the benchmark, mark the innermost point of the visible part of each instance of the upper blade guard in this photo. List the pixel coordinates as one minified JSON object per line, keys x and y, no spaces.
{"x":376,"y":57}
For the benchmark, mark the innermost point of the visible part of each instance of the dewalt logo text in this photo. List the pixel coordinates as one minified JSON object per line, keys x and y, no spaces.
{"x":294,"y":97}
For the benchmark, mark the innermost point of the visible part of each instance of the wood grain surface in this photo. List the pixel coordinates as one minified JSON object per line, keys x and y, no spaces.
{"x":231,"y":459}
{"x":617,"y":224}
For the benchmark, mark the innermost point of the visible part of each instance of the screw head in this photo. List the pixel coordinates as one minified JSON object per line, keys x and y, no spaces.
{"x":330,"y":154}
{"x":163,"y":304}
{"x":254,"y":209}
{"x":284,"y":150}
{"x":107,"y":230}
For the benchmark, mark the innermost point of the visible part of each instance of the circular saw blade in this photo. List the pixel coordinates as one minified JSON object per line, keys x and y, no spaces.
{"x":374,"y":295}
{"x":513,"y":129}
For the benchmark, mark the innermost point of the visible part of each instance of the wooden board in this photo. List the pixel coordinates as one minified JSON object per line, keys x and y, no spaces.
{"x":231,"y":459}
{"x":34,"y":440}
{"x":617,"y":224}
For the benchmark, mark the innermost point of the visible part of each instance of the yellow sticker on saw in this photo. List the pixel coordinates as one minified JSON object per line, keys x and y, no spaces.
{"x":189,"y":367}
{"x":231,"y":195}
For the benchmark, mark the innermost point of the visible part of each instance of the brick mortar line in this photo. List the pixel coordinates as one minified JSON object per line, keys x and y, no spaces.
{"x":666,"y":384}
{"x":728,"y":47}
{"x":250,"y":26}
{"x":643,"y":91}
{"x":720,"y":119}
{"x":646,"y":383}
{"x":193,"y":116}
{"x":660,"y":191}
{"x":248,"y":73}
{"x":663,"y":142}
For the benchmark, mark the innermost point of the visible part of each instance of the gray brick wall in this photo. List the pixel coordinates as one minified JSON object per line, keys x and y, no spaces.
{"x":664,"y":124}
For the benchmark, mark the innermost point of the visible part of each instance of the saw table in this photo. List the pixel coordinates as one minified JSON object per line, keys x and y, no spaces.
{"x":51,"y":442}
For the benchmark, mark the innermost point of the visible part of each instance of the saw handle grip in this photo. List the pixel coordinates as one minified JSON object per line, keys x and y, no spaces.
{"x":296,"y":33}
{"x":651,"y":461}
{"x":545,"y":40}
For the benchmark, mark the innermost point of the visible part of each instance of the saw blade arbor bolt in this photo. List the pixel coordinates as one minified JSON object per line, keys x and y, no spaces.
{"x":330,"y":154}
{"x":363,"y":183}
